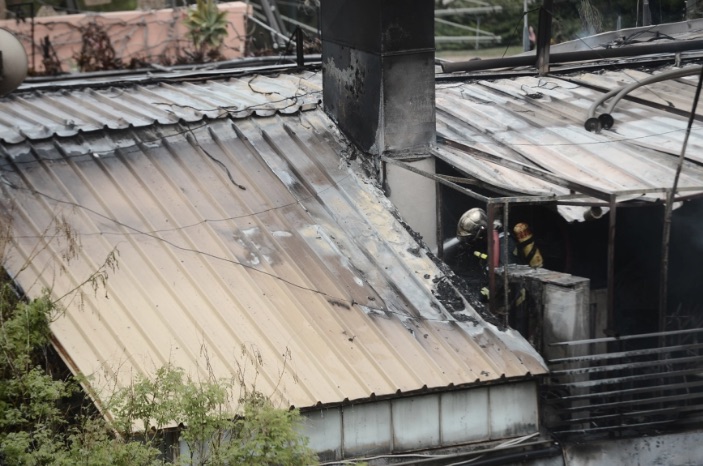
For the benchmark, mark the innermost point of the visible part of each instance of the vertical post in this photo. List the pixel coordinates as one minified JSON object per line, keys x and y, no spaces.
{"x":646,"y":14}
{"x":478,"y":28}
{"x":611,"y":263}
{"x":299,"y":47}
{"x":664,"y":267}
{"x":490,"y":213}
{"x":525,"y":28}
{"x":505,"y":253}
{"x":544,"y":37}
{"x":31,"y":10}
{"x":440,"y":227}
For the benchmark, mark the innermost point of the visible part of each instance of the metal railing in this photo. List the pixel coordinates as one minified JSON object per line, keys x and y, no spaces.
{"x":625,"y":386}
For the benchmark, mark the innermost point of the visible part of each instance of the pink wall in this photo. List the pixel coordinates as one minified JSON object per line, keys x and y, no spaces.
{"x":154,"y":36}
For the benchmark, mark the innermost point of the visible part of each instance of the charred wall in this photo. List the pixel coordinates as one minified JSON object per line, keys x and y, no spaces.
{"x":378,"y":71}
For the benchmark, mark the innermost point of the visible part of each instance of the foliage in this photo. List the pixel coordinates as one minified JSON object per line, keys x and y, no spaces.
{"x":46,"y":420}
{"x":207,"y":28}
{"x":262,"y":435}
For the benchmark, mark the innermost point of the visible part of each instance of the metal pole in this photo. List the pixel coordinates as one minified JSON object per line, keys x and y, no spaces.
{"x":491,"y":267}
{"x":525,"y":28}
{"x":478,"y":28}
{"x":31,"y":9}
{"x":544,"y":37}
{"x":273,"y":24}
{"x":611,"y":264}
{"x":564,"y":57}
{"x":646,"y":14}
{"x":439,"y":227}
{"x":300,"y":55}
{"x":505,"y":262}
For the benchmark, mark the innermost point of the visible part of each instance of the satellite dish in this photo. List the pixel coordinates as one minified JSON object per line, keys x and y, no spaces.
{"x":14,"y":64}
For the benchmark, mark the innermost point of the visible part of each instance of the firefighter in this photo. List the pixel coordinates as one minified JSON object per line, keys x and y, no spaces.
{"x":472,"y":226}
{"x":472,"y":230}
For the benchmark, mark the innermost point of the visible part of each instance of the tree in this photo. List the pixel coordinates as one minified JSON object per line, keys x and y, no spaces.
{"x":45,"y":419}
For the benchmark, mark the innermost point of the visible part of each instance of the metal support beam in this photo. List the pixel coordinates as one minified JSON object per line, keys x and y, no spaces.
{"x":437,"y":178}
{"x":544,"y":37}
{"x":468,"y":11}
{"x":490,"y":213}
{"x":526,"y":169}
{"x":582,"y":55}
{"x":299,"y":47}
{"x":611,"y":264}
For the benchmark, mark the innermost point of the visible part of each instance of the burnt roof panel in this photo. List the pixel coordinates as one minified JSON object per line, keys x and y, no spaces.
{"x":244,"y":244}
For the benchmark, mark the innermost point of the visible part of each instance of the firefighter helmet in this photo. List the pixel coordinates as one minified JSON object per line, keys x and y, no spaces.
{"x":472,"y":225}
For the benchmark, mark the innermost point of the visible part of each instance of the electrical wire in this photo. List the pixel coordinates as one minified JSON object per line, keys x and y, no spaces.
{"x":152,"y":234}
{"x":501,"y":446}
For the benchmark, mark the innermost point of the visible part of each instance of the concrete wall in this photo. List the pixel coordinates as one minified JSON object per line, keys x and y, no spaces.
{"x":421,"y":422}
{"x":415,"y":197}
{"x":153,"y":36}
{"x":561,"y":306}
{"x":378,"y":72}
{"x":679,"y":449}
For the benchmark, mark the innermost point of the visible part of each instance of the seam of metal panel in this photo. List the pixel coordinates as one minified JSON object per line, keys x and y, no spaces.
{"x":387,"y":339}
{"x":324,"y":296}
{"x":284,"y":290}
{"x":43,"y":200}
{"x":299,"y":179}
{"x":325,"y":173}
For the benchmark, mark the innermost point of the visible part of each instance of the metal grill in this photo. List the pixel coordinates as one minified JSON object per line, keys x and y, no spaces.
{"x":625,"y":386}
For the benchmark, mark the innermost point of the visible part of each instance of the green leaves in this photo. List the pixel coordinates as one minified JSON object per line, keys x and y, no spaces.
{"x":45,"y":419}
{"x":262,"y":435}
{"x":207,"y":27}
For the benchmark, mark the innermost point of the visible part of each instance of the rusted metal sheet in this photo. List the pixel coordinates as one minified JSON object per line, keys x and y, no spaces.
{"x":243,"y":244}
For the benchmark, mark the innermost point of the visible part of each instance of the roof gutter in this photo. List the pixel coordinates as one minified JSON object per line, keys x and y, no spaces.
{"x":565,"y":57}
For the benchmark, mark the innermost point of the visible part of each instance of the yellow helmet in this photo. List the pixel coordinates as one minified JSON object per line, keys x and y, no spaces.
{"x":472,"y":225}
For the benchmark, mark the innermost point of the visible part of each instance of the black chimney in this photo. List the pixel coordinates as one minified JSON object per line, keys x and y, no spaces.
{"x":378,"y":72}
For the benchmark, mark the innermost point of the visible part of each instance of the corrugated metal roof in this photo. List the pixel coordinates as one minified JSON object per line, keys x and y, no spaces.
{"x":243,"y":243}
{"x":539,"y":122}
{"x":38,"y":114}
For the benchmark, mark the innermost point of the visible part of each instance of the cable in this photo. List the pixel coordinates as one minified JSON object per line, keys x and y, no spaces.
{"x":136,"y":230}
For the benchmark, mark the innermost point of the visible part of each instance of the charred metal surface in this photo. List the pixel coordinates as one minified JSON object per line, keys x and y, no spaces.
{"x":378,"y":72}
{"x":351,"y":82}
{"x":408,"y":101}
